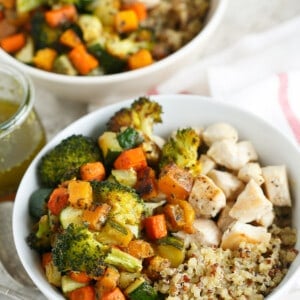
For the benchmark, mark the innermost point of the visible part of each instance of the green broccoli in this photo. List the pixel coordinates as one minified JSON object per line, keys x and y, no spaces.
{"x":182,"y":149}
{"x":141,"y":115}
{"x":77,"y":249}
{"x":40,"y":238}
{"x":42,"y":34}
{"x":64,"y":160}
{"x":127,"y":206}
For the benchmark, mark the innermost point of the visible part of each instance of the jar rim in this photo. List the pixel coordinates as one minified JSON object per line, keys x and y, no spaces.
{"x":26,"y":103}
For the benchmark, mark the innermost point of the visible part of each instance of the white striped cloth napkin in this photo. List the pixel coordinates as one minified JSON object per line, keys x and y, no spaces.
{"x":260,"y":73}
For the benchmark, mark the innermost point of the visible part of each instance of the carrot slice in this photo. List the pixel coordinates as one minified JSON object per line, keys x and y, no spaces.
{"x":139,"y":8}
{"x":46,"y":258}
{"x":140,"y":59}
{"x":126,"y":21}
{"x":82,"y":277}
{"x":13,"y":43}
{"x":92,"y":171}
{"x":115,"y":294}
{"x":58,"y":200}
{"x":132,"y":158}
{"x":156,"y":226}
{"x":60,"y":16}
{"x":83,"y":293}
{"x":83,"y":61}
{"x":8,"y":3}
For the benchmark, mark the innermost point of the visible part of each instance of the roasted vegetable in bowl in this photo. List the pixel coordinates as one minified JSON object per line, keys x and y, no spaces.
{"x":203,"y":220}
{"x":97,"y":37}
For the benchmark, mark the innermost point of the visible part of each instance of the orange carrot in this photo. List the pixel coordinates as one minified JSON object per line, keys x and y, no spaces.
{"x":92,"y":171}
{"x":8,"y":3}
{"x":58,"y":200}
{"x":46,"y":258}
{"x":60,"y":16}
{"x":96,"y":216}
{"x":140,"y":59}
{"x":115,"y":294}
{"x":44,"y":58}
{"x":1,"y":15}
{"x":126,"y":21}
{"x":132,"y":158}
{"x":175,"y":182}
{"x":156,"y":226}
{"x":83,"y":61}
{"x":146,"y":184}
{"x":70,"y":38}
{"x":13,"y":43}
{"x":83,"y":293}
{"x":139,"y":8}
{"x":81,"y":277}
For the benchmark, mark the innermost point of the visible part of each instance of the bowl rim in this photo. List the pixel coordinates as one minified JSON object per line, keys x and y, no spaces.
{"x":218,"y":11}
{"x":206,"y":101}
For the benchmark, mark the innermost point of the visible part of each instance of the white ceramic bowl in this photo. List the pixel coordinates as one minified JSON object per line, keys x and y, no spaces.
{"x":109,"y":88}
{"x":178,"y":111}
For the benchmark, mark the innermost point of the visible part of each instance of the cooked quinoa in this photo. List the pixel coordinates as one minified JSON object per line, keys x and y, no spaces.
{"x":249,"y":272}
{"x":175,"y":23}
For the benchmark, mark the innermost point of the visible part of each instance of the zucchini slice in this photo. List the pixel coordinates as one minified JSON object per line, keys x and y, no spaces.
{"x":70,"y":215}
{"x":141,"y":289}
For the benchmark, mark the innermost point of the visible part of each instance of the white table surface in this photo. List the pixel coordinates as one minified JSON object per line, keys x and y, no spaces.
{"x":242,"y":17}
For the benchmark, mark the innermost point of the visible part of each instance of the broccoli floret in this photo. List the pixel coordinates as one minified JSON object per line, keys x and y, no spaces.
{"x":141,"y":115}
{"x":182,"y":149}
{"x":40,"y":238}
{"x":64,"y":160}
{"x":42,"y":34}
{"x":77,"y":249}
{"x":127,"y":206}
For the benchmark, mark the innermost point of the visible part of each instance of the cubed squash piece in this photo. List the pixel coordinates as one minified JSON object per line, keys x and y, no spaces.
{"x":80,"y":194}
{"x":44,"y":58}
{"x":175,"y":182}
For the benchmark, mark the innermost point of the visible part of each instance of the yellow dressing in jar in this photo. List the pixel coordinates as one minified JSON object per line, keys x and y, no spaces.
{"x":21,"y":132}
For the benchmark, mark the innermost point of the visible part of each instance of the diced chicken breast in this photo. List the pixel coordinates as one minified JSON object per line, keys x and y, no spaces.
{"x":219,"y":131}
{"x":247,"y":148}
{"x":251,"y":170}
{"x":207,"y":164}
{"x":240,"y":232}
{"x":227,"y":182}
{"x":251,"y":204}
{"x":207,"y":233}
{"x":276,"y":185}
{"x":224,"y":219}
{"x":206,"y":197}
{"x":231,"y":155}
{"x":267,"y":219}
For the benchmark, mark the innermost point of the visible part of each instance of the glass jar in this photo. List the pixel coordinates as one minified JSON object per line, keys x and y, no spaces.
{"x":21,"y":132}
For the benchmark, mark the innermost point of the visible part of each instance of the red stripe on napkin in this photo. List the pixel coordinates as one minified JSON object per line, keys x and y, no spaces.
{"x":283,"y":98}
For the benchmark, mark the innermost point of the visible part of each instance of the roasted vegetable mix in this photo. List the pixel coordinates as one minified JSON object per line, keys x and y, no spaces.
{"x":116,"y":216}
{"x":96,"y":37}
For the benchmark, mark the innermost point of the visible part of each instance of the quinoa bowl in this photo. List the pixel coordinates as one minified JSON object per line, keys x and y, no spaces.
{"x":180,"y":49}
{"x":264,"y":265}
